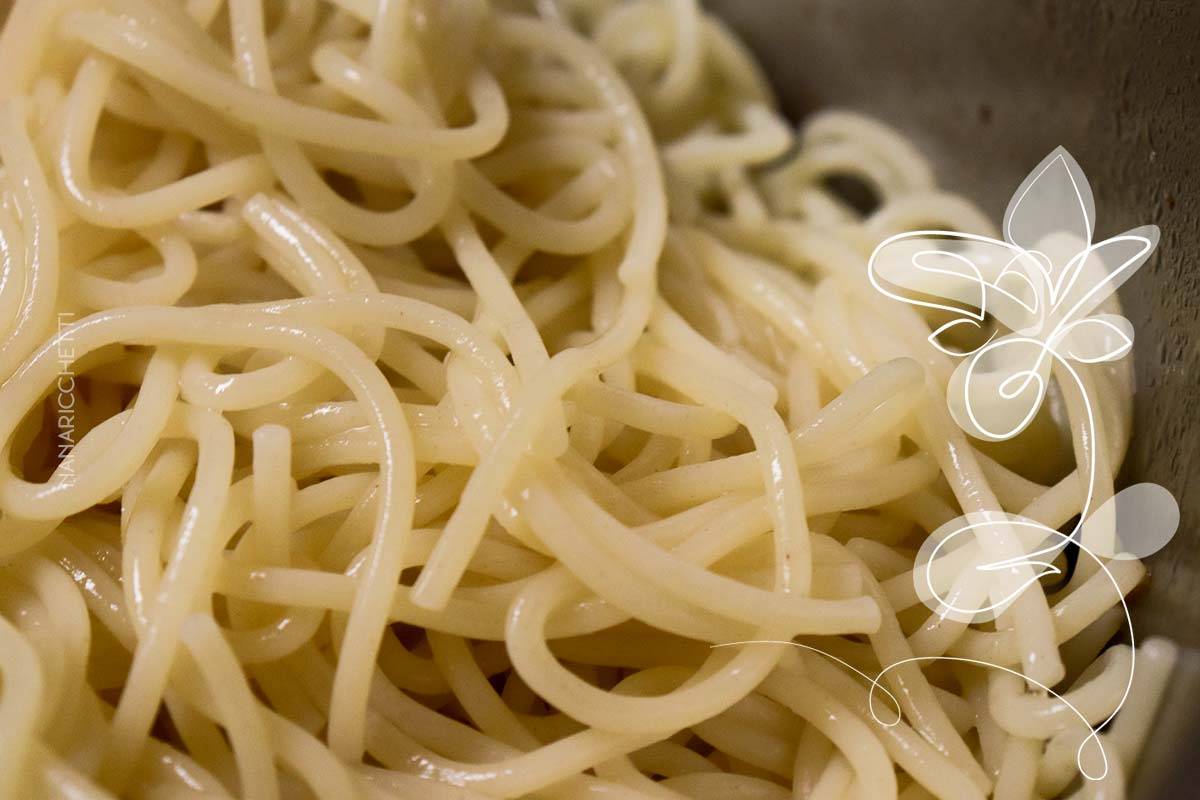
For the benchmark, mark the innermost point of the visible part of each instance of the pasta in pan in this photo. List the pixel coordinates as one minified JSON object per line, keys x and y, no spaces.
{"x":420,"y":399}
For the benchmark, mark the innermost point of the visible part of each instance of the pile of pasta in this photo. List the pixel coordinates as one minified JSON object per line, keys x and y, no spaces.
{"x":439,"y":399}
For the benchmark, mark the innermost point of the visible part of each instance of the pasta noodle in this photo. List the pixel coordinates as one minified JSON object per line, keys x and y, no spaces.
{"x":471,"y":399}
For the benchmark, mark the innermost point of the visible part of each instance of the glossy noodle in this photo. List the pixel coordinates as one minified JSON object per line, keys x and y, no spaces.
{"x":415,"y":399}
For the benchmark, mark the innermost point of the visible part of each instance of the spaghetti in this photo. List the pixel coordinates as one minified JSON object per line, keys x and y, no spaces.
{"x":408,"y":399}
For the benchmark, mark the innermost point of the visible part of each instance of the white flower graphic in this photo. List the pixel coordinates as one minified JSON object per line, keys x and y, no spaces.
{"x":1042,"y":283}
{"x":1033,"y":295}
